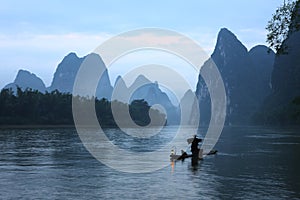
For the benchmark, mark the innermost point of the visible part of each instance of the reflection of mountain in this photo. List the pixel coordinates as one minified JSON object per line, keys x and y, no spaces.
{"x":246,"y":77}
{"x":25,"y":79}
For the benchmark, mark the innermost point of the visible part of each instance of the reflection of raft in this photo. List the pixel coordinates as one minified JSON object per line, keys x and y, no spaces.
{"x":185,"y":155}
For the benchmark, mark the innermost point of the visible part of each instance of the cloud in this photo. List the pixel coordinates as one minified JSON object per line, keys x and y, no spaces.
{"x":80,"y":42}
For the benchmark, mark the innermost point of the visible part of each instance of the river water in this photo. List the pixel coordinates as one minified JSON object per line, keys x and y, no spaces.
{"x":252,"y":163}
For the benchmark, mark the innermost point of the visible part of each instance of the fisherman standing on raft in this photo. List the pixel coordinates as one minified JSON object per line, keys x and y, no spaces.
{"x":194,"y":149}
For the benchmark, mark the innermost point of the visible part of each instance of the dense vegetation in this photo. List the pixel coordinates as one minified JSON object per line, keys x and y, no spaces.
{"x":282,"y":106}
{"x":31,"y":107}
{"x":280,"y":25}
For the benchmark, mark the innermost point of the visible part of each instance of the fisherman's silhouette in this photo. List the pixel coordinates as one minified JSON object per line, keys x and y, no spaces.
{"x":195,"y":150}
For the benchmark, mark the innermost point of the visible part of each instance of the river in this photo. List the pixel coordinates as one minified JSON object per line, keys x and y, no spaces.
{"x":52,"y":163}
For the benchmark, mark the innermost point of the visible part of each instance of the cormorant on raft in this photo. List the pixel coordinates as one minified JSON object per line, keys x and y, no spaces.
{"x":197,"y":154}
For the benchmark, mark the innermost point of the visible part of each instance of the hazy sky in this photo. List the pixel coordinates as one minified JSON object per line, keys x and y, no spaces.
{"x":36,"y":35}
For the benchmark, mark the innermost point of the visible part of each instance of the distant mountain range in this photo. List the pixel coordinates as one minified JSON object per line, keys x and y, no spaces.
{"x":65,"y":74}
{"x":249,"y":79}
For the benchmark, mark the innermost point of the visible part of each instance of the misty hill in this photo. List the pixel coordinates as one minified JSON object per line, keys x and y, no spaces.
{"x":150,"y":92}
{"x":246,"y":77}
{"x":190,"y":109}
{"x":120,"y":83}
{"x":262,"y":66}
{"x":24,"y":80}
{"x":64,"y":77}
{"x":281,"y":106}
{"x":65,"y":74}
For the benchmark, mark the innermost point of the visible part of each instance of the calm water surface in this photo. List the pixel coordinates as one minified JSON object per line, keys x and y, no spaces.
{"x":252,"y":163}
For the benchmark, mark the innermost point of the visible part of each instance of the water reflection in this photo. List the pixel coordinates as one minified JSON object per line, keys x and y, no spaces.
{"x":249,"y":164}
